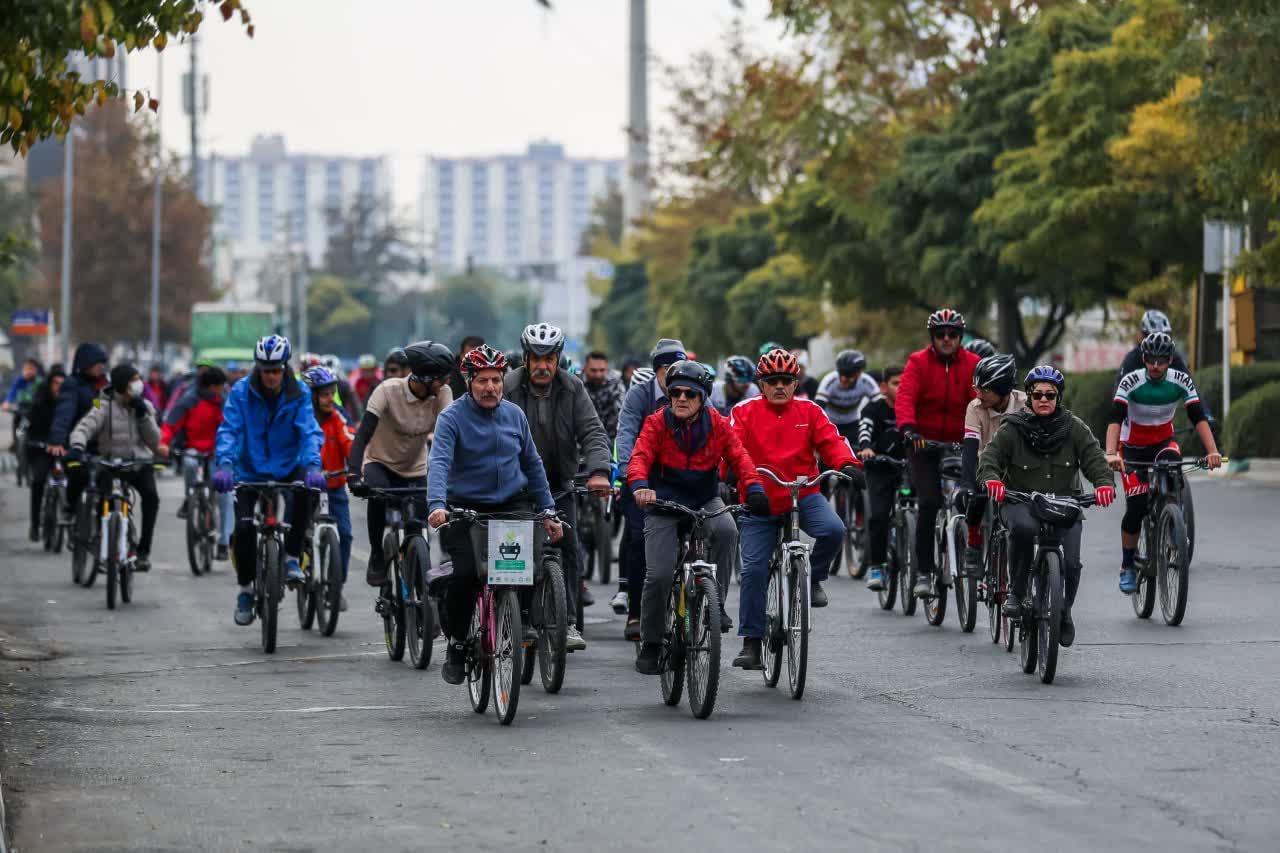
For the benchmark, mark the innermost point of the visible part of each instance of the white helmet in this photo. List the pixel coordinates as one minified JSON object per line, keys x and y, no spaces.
{"x":641,"y":375}
{"x":332,"y":362}
{"x":1156,"y":321}
{"x":541,"y":339}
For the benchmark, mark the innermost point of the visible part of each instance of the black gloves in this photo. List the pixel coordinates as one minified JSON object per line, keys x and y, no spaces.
{"x":961,"y":499}
{"x":757,"y":502}
{"x":911,"y":439}
{"x":854,"y":473}
{"x":355,"y":484}
{"x":139,"y":407}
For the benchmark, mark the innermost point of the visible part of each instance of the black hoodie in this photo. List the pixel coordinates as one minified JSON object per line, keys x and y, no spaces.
{"x":78,"y":392}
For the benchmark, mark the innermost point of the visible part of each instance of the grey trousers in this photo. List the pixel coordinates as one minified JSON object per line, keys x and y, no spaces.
{"x":661,"y":543}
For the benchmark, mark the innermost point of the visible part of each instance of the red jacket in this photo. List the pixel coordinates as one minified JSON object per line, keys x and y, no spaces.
{"x":198,"y":424}
{"x":934,"y":394}
{"x":336,"y":448}
{"x":784,"y":439}
{"x":685,"y":468}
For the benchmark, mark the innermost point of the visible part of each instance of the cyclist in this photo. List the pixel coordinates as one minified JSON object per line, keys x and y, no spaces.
{"x":878,"y":436}
{"x":346,"y":396}
{"x":268,"y":432}
{"x":395,"y":365}
{"x":565,"y":429}
{"x":367,"y":377}
{"x":123,"y":425}
{"x":483,"y":458}
{"x":628,"y":367}
{"x":21,"y":392}
{"x":785,"y":434}
{"x":937,"y":385}
{"x":677,"y":458}
{"x":333,"y":456}
{"x":196,"y":427}
{"x":157,"y":389}
{"x":458,"y":379}
{"x":844,"y":391}
{"x":39,"y":421}
{"x":1153,"y":321}
{"x":981,"y":348}
{"x":993,"y":381}
{"x":1044,"y":448}
{"x":87,"y":378}
{"x":390,"y":448}
{"x":606,"y":390}
{"x":1141,"y":428}
{"x":807,"y":387}
{"x":647,"y":394}
{"x":739,"y":384}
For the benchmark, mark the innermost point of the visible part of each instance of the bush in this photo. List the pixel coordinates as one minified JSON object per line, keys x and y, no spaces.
{"x":1244,"y":380}
{"x":1089,"y":397}
{"x":1251,"y":428}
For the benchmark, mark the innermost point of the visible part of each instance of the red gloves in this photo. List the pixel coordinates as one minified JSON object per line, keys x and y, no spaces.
{"x":995,"y":489}
{"x":1105,"y":495}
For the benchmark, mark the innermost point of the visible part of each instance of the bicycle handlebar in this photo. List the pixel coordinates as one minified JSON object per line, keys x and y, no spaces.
{"x":885,"y":459}
{"x":264,"y":485}
{"x":1189,"y":464}
{"x":696,"y":514}
{"x":801,"y":482}
{"x":1012,"y":496}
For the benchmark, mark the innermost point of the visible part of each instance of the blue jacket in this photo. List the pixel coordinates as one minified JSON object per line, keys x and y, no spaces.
{"x":261,"y":445}
{"x":640,"y":402}
{"x":484,"y":456}
{"x":77,"y":394}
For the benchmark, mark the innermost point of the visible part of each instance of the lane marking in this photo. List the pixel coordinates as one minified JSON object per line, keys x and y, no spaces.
{"x":1008,"y":781}
{"x":319,"y":709}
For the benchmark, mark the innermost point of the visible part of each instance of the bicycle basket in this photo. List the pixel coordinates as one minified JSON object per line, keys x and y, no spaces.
{"x":1059,"y":512}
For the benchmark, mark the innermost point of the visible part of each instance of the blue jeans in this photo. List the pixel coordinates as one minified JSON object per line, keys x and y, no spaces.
{"x":759,"y":535}
{"x":340,"y":509}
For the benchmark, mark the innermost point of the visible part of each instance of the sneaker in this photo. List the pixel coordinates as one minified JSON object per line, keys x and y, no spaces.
{"x":34,"y":533}
{"x":182,"y":510}
{"x":342,"y":604}
{"x":972,"y":567}
{"x":573,"y":641}
{"x":585,"y":594}
{"x":632,"y":631}
{"x":817,"y":596}
{"x":647,"y":660}
{"x":454,"y":670}
{"x":141,"y":563}
{"x":244,"y":608}
{"x":726,"y":624}
{"x":376,"y":574}
{"x":1011,"y":608}
{"x":875,"y":579}
{"x":293,"y":570}
{"x":1128,"y":580}
{"x":924,"y":586}
{"x":221,"y":554}
{"x":749,"y":657}
{"x":1067,"y":630}
{"x":620,"y":602}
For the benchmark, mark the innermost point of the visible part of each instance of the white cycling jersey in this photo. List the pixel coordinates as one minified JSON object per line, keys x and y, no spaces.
{"x":844,"y":405}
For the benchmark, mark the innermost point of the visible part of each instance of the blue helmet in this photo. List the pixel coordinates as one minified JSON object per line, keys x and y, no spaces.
{"x":320,"y":377}
{"x":1044,"y":373}
{"x":272,"y":351}
{"x":740,"y":369}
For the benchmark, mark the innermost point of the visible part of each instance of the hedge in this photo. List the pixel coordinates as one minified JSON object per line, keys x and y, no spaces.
{"x":1251,"y":430}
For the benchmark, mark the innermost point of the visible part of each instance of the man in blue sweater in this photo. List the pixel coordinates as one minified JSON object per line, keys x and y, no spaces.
{"x":482,"y":458}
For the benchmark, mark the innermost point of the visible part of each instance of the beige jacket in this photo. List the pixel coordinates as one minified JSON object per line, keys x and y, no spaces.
{"x":981,"y":423}
{"x":122,"y":431}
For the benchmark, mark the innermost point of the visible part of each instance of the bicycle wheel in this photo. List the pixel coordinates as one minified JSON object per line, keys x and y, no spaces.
{"x":603,"y":545}
{"x":888,"y":592}
{"x":393,"y":632}
{"x":703,"y":669}
{"x":855,"y":540}
{"x":797,"y":625}
{"x":966,"y":587}
{"x":508,"y":655}
{"x":304,"y":593}
{"x":997,"y":587}
{"x":268,"y":581}
{"x":840,"y":505}
{"x":1172,"y":564}
{"x":552,"y":608}
{"x":1049,"y":616}
{"x":1189,"y":517}
{"x":775,"y":626}
{"x":906,"y":563}
{"x":1028,"y":629}
{"x":113,"y":562}
{"x":478,"y":664}
{"x":671,"y":655}
{"x":194,"y":536}
{"x":328,"y":573}
{"x":80,"y":546}
{"x":935,"y":608}
{"x":1144,"y":599}
{"x":419,"y":618}
{"x":49,"y":528}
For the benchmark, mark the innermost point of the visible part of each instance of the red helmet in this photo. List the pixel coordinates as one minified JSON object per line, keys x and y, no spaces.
{"x":483,"y":357}
{"x":777,"y":362}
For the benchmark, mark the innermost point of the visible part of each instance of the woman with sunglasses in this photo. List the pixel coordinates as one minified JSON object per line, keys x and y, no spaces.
{"x":1043,"y":449}
{"x":936,"y":388}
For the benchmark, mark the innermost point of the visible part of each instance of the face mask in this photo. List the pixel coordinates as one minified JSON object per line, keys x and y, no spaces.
{"x":135,"y":388}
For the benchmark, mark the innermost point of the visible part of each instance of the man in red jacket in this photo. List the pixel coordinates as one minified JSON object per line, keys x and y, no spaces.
{"x":677,"y":458}
{"x":935,"y":391}
{"x":783,"y":433}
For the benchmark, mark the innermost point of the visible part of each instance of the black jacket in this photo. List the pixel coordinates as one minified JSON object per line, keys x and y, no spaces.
{"x":878,"y":428}
{"x":579,"y":433}
{"x":77,"y":394}
{"x":40,"y":417}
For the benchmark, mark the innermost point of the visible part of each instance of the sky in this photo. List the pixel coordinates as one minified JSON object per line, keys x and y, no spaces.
{"x":406,"y":78}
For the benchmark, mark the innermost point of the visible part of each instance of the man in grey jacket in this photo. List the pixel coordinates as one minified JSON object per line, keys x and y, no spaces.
{"x":565,"y":429}
{"x":123,"y":423}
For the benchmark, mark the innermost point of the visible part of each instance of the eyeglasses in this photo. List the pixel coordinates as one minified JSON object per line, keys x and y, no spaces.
{"x":779,"y":380}
{"x":1044,"y":395}
{"x":684,"y":394}
{"x":947,"y":333}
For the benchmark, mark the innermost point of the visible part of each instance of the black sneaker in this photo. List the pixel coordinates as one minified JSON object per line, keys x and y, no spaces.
{"x":221,"y":554}
{"x":817,"y":597}
{"x":972,"y":562}
{"x":376,"y":574}
{"x":749,"y":657}
{"x":647,"y":660}
{"x":34,"y":533}
{"x":182,"y":509}
{"x":141,"y":563}
{"x":1067,"y":630}
{"x":454,"y":670}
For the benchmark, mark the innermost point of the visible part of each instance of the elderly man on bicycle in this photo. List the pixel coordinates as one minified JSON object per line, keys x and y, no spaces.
{"x":677,"y":458}
{"x":784,"y":434}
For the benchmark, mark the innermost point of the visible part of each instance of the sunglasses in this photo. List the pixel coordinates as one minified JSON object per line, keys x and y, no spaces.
{"x":684,"y":394}
{"x":1044,"y":395}
{"x":947,"y":333}
{"x":779,"y":380}
{"x":1157,"y":362}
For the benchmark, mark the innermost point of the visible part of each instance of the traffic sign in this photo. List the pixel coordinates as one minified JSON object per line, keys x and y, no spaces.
{"x":29,"y":321}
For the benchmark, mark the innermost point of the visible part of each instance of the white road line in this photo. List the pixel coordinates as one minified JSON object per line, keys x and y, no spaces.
{"x":1008,"y":781}
{"x":323,"y":709}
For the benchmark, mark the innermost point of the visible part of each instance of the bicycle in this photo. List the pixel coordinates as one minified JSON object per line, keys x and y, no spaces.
{"x":549,"y":616}
{"x":82,"y":536}
{"x":404,"y":603}
{"x":202,"y":516}
{"x":54,"y":522}
{"x":22,"y":468}
{"x":1040,"y":625}
{"x":1163,"y":557}
{"x":851,"y":507}
{"x":787,"y":627}
{"x":948,"y":548}
{"x":268,"y":581}
{"x":117,"y":539}
{"x":595,"y":516}
{"x":993,"y":589}
{"x":319,"y":596}
{"x":691,"y":633}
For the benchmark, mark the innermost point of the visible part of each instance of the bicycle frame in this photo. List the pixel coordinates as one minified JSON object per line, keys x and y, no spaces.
{"x":117,"y":503}
{"x":789,"y":543}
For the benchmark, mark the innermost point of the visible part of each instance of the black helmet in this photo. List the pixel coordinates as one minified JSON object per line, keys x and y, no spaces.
{"x":396,"y":356}
{"x":1157,"y":345}
{"x":850,"y":361}
{"x":981,"y":348}
{"x":428,"y":360}
{"x":996,"y":373}
{"x":1156,"y":321}
{"x":689,"y":374}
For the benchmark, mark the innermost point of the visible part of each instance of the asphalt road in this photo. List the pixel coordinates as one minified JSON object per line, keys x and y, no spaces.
{"x":162,"y":726}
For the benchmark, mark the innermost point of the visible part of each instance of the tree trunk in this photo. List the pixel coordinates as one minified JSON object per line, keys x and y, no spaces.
{"x":1008,"y":320}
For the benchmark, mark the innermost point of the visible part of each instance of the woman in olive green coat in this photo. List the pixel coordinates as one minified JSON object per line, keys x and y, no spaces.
{"x":1043,"y":449}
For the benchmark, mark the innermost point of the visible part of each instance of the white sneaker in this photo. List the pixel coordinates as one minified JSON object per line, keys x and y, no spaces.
{"x":620,"y":602}
{"x":573,"y":641}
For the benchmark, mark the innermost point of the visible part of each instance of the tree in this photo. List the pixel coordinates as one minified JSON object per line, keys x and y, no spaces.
{"x":367,"y":246}
{"x":603,"y":234}
{"x":338,"y":321}
{"x":19,"y":256}
{"x":773,"y":302}
{"x":479,"y":303}
{"x":40,"y":96}
{"x":112,"y":208}
{"x":622,"y":322}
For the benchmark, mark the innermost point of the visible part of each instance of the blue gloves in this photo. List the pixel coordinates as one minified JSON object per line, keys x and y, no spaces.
{"x":223,"y":480}
{"x":315,"y":479}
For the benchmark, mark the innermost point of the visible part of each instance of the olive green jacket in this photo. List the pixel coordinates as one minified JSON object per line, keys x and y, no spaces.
{"x":1011,"y":460}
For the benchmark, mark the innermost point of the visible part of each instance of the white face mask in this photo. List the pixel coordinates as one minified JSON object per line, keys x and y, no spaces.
{"x":135,"y":388}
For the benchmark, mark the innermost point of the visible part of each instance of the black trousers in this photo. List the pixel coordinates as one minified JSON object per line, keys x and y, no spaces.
{"x":882,"y":491}
{"x":144,"y":481}
{"x":380,"y":476}
{"x":244,"y":540}
{"x":38,"y":464}
{"x":1023,"y":528}
{"x":927,"y":481}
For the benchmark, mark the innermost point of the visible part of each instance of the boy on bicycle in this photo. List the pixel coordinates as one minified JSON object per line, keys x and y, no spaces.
{"x":878,"y":436}
{"x":333,"y":456}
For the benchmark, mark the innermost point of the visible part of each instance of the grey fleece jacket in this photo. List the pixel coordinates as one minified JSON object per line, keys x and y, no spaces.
{"x":122,"y":431}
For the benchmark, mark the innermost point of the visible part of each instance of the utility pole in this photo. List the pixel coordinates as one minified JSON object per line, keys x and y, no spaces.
{"x":635,"y":194}
{"x":196,"y":103}
{"x":155,"y":215}
{"x":68,"y":179}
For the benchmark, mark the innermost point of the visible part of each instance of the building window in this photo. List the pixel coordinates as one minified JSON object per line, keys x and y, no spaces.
{"x":266,"y":203}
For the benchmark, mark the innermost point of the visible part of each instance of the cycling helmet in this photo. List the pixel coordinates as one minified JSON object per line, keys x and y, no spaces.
{"x":981,"y":348}
{"x":689,"y":374}
{"x":1156,"y":321}
{"x":542,"y":339}
{"x":367,"y":361}
{"x":483,"y":357}
{"x":272,"y":351}
{"x":946,"y":318}
{"x":997,"y":374}
{"x":309,"y":360}
{"x":1157,"y":345}
{"x":769,"y":346}
{"x":1044,"y":373}
{"x":777,"y":362}
{"x":739,"y":369}
{"x":567,"y":362}
{"x":850,"y":361}
{"x":641,"y":375}
{"x":710,"y":368}
{"x":320,"y":377}
{"x":667,"y":351}
{"x":515,"y":358}
{"x":332,"y":362}
{"x":396,"y":356}
{"x":428,"y":361}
